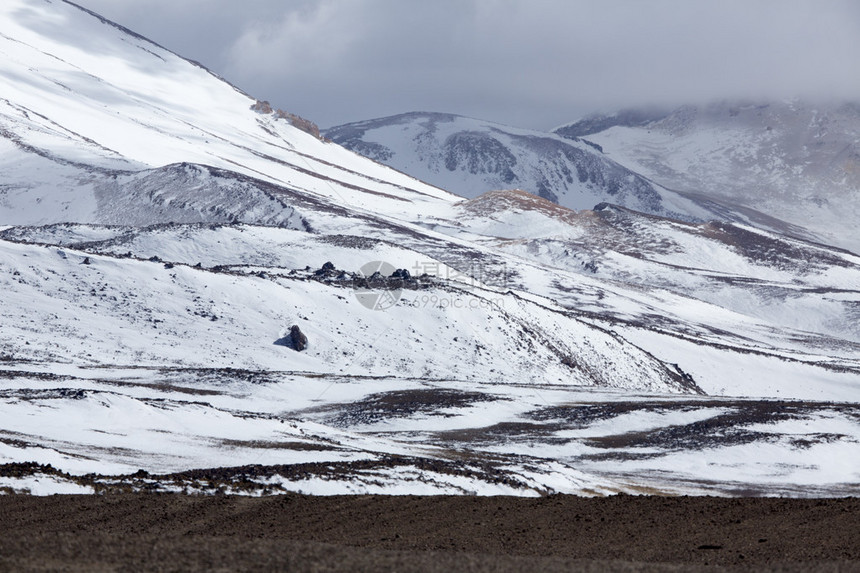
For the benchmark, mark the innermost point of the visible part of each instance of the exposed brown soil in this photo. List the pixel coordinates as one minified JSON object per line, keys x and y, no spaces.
{"x":381,"y":533}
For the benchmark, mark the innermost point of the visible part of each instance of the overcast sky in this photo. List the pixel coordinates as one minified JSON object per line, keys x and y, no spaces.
{"x":527,"y":63}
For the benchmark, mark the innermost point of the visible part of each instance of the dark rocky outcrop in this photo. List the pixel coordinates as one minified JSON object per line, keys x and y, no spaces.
{"x":327,"y":270}
{"x":306,"y":125}
{"x":298,"y":338}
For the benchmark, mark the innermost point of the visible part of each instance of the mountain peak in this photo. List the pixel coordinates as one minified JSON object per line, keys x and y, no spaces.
{"x":635,"y":117}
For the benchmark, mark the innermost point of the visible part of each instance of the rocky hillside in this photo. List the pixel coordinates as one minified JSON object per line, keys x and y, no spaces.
{"x":470,"y":157}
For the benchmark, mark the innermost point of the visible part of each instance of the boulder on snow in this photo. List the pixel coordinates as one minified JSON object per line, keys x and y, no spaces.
{"x":296,"y":339}
{"x":327,"y":270}
{"x":300,"y":341}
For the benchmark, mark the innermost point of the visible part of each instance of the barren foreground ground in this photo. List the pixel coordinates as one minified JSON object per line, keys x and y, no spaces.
{"x":293,"y":532}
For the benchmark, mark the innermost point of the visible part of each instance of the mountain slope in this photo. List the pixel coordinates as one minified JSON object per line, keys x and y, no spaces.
{"x":116,"y":125}
{"x":795,"y":161}
{"x":97,"y":310}
{"x":470,"y":157}
{"x":74,"y":116}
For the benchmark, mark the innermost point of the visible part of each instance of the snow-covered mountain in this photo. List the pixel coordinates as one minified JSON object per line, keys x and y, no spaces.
{"x":789,"y":167}
{"x":795,"y":161}
{"x":470,"y":157}
{"x":81,"y":125}
{"x":192,"y":280}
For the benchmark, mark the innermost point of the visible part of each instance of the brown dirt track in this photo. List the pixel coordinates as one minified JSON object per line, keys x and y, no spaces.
{"x":380,"y":533}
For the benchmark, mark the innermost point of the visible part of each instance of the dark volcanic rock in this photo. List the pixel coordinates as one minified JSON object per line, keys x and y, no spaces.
{"x":298,"y":338}
{"x":327,"y":270}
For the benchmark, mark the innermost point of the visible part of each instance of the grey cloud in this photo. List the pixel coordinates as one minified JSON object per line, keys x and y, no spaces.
{"x":532,"y":63}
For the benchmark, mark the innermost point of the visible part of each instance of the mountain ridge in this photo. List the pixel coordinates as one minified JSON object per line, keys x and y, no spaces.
{"x":473,"y":156}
